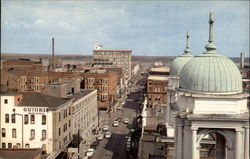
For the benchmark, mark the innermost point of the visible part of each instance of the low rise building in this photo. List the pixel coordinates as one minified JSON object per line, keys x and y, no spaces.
{"x":156,"y":86}
{"x":105,"y":83}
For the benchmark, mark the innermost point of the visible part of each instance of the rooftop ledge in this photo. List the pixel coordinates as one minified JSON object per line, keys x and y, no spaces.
{"x":240,"y":94}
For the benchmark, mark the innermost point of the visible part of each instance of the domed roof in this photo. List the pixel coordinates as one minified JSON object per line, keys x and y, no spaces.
{"x":181,"y":60}
{"x":178,"y":64}
{"x":210,"y":72}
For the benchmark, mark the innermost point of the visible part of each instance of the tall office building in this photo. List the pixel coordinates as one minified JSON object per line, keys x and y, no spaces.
{"x":107,"y":58}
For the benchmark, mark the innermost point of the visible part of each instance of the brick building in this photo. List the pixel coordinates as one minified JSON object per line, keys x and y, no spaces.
{"x":156,"y":86}
{"x":105,"y":83}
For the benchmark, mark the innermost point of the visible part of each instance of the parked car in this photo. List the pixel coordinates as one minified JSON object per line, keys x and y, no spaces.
{"x":105,"y":128}
{"x":126,"y":121}
{"x":119,"y":107}
{"x":90,"y":152}
{"x":94,"y":144}
{"x":108,"y":135}
{"x":128,"y":148}
{"x":116,"y":123}
{"x":100,"y":137}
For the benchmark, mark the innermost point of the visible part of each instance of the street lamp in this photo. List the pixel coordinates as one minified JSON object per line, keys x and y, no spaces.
{"x":14,"y":111}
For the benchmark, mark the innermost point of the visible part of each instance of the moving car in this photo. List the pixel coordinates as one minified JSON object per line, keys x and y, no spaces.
{"x":105,"y":128}
{"x":116,"y":123}
{"x":126,"y":121}
{"x":90,"y":152}
{"x":100,"y":137}
{"x":108,"y":135}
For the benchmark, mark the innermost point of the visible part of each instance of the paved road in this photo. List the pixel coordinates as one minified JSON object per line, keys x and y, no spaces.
{"x":115,"y":148}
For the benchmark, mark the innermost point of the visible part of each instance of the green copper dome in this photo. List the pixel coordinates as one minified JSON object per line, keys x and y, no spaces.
{"x":181,"y":60}
{"x":178,"y":64}
{"x":210,"y":72}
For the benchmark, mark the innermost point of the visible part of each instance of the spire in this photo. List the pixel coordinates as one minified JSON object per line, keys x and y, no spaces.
{"x":187,"y":50}
{"x":210,"y":47}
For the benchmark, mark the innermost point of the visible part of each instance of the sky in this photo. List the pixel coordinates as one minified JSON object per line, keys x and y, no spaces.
{"x":150,"y":28}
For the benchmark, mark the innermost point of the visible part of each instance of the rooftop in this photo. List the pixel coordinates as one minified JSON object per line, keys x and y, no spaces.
{"x":19,"y":153}
{"x":112,"y":50}
{"x":158,"y":77}
{"x":159,"y":69}
{"x":80,"y":94}
{"x":41,"y":100}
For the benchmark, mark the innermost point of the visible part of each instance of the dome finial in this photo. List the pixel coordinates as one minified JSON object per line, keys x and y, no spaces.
{"x":187,"y":50}
{"x":210,"y":46}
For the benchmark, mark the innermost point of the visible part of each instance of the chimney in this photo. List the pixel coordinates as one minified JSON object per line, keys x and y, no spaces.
{"x":242,"y":54}
{"x":53,"y":56}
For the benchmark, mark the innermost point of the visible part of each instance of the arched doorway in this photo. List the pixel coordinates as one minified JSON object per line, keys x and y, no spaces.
{"x":214,"y":144}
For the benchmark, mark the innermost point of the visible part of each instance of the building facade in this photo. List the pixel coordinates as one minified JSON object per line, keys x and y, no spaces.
{"x":106,"y":85}
{"x":113,"y":59}
{"x":157,"y":82}
{"x":33,"y":120}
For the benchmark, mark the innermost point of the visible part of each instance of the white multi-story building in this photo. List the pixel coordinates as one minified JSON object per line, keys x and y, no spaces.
{"x":33,"y":120}
{"x":85,"y":114}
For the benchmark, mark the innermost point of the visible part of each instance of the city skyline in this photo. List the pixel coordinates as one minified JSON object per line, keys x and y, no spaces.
{"x":148,"y":28}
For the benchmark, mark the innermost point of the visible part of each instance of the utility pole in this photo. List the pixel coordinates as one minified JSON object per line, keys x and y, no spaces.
{"x":78,"y":143}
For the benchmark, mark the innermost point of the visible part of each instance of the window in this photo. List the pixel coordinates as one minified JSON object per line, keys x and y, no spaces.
{"x":59,"y":131}
{"x":27,"y":145}
{"x":43,"y":134}
{"x":3,"y":132}
{"x":69,"y":123}
{"x":3,"y":145}
{"x":7,"y":118}
{"x":32,"y":119}
{"x":32,"y":134}
{"x":13,"y":133}
{"x":5,"y":101}
{"x":43,"y":119}
{"x":59,"y":116}
{"x":13,"y":118}
{"x":26,"y":119}
{"x":18,"y":145}
{"x":9,"y":145}
{"x":69,"y":110}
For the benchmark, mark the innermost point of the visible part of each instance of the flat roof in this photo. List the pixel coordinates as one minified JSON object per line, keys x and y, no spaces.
{"x":158,"y":77}
{"x":80,"y":94}
{"x":160,"y":69}
{"x":19,"y":153}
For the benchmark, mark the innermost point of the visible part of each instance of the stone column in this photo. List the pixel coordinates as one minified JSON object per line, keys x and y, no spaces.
{"x":246,"y":155}
{"x":179,"y":142}
{"x":175,"y":142}
{"x":238,"y":143}
{"x":194,"y":145}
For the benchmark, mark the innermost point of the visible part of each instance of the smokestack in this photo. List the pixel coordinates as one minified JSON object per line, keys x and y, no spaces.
{"x":53,"y":55}
{"x":242,"y":63}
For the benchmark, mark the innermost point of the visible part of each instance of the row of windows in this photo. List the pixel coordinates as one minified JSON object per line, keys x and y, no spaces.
{"x":120,"y":53}
{"x":103,"y":96}
{"x":97,"y":80}
{"x":32,"y":134}
{"x":26,"y":119}
{"x":18,"y":145}
{"x":33,"y":79}
{"x":65,"y":127}
{"x":65,"y":114}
